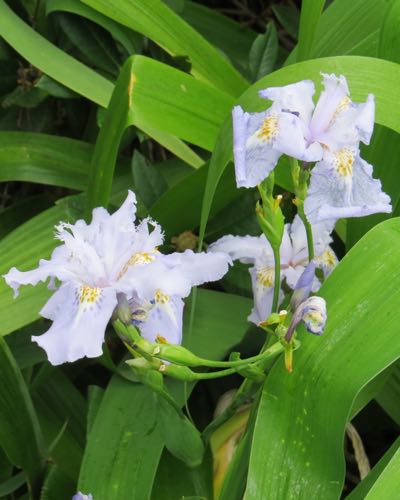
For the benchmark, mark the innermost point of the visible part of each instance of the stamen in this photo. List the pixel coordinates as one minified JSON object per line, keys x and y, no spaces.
{"x":160,"y":297}
{"x":265,"y":277}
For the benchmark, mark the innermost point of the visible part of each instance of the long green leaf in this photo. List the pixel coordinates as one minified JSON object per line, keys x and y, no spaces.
{"x":124,"y":445}
{"x":348,"y":28}
{"x":310,"y":13}
{"x":20,"y":435}
{"x":51,"y":60}
{"x":159,"y":23}
{"x":362,"y":489}
{"x":74,"y":75}
{"x":365,"y":75}
{"x":149,"y":93}
{"x":302,"y":416}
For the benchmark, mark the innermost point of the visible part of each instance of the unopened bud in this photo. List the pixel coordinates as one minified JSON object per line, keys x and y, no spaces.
{"x":185,"y":241}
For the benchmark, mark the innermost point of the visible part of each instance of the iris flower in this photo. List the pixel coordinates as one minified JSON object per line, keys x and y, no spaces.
{"x":328,"y":133}
{"x":111,"y":256}
{"x":294,"y":259}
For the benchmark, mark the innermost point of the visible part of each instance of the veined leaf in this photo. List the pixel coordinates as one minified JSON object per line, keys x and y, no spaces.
{"x":159,"y":23}
{"x":309,"y":16}
{"x":302,"y":416}
{"x":147,"y":94}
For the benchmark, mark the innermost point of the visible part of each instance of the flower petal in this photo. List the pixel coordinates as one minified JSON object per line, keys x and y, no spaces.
{"x":254,"y":158}
{"x":263,"y":294}
{"x":79,"y":323}
{"x":296,"y":97}
{"x":245,"y":248}
{"x":164,"y":320}
{"x":336,"y":90}
{"x":336,"y":193}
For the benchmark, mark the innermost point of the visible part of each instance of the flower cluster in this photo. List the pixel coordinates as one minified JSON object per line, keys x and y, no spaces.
{"x":328,"y":133}
{"x":294,"y":259}
{"x":99,"y":261}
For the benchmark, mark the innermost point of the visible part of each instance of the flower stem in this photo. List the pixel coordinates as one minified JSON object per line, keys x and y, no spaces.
{"x":307,"y":225}
{"x":277,"y":280}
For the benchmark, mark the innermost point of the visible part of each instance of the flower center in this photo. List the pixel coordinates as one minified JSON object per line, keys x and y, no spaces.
{"x":268,"y":129}
{"x":343,"y":161}
{"x":328,"y":258}
{"x":160,"y":297}
{"x":265,"y":277}
{"x":88,"y":294}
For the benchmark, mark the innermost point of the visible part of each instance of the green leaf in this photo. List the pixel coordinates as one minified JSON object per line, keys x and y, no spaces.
{"x":347,"y":28}
{"x":57,"y":485}
{"x":364,"y":75}
{"x":288,"y":16}
{"x":180,"y":436}
{"x":361,"y":490}
{"x":263,"y":53}
{"x":387,"y":485}
{"x":389,"y":396}
{"x":159,"y":23}
{"x":232,"y":38}
{"x":389,"y":41}
{"x":20,"y":435}
{"x":12,"y":484}
{"x":148,"y":180}
{"x":302,"y":416}
{"x":309,"y":16}
{"x":131,"y":41}
{"x":181,"y":481}
{"x":44,"y":159}
{"x":51,"y":60}
{"x":125,"y":445}
{"x":146,"y":95}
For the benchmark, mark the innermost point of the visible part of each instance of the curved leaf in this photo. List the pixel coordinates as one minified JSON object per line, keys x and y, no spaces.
{"x":302,"y":416}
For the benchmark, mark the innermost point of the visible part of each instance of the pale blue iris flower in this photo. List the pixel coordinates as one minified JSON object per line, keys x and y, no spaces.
{"x":107,"y":257}
{"x":294,"y":258}
{"x":328,"y":133}
{"x":82,"y":496}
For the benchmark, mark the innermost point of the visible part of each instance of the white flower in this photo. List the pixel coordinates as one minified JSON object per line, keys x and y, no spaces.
{"x":108,"y":256}
{"x":82,"y":496}
{"x":294,"y":259}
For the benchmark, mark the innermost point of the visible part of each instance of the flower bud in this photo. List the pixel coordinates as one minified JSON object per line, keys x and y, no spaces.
{"x":176,"y":354}
{"x":303,"y":286}
{"x":314,"y":315}
{"x":178,"y":372}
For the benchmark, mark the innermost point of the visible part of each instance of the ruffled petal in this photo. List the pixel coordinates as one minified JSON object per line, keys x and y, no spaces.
{"x":80,"y":316}
{"x":247,"y":249}
{"x":163,"y":322}
{"x":254,"y":157}
{"x":296,"y":97}
{"x":344,"y":189}
{"x":199,"y":268}
{"x":353,"y":124}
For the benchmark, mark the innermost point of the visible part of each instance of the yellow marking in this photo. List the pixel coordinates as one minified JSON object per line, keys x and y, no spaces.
{"x":160,"y":297}
{"x":89,"y":294}
{"x":343,"y":105}
{"x":268,"y":129}
{"x":328,"y":258}
{"x":160,"y":339}
{"x":266,"y":277}
{"x":344,"y":160}
{"x":138,"y":258}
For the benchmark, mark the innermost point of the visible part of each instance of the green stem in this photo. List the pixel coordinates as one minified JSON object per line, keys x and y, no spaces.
{"x":273,"y":351}
{"x":310,"y":239}
{"x":277,"y":280}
